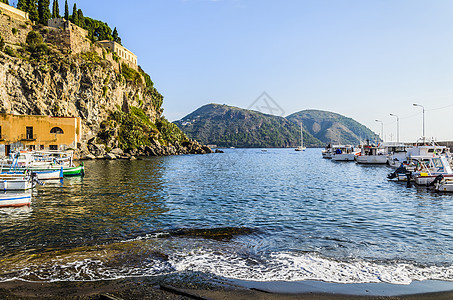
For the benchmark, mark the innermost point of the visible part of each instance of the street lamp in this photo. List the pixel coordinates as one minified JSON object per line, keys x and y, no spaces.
{"x":423,"y":120}
{"x":382,"y":129}
{"x":397,"y":127}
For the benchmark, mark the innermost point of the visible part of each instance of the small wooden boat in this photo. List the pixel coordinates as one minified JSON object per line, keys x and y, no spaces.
{"x":15,"y":199}
{"x":17,"y":182}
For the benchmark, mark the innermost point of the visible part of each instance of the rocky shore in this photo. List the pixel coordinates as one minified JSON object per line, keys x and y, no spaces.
{"x":92,"y":150}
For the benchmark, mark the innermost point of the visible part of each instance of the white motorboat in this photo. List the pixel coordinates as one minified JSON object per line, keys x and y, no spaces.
{"x":443,"y":184}
{"x":327,"y":152}
{"x":396,"y":153}
{"x":430,"y":168}
{"x":344,"y":153}
{"x":370,"y":154}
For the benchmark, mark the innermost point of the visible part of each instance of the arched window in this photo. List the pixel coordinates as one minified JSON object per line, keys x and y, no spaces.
{"x":56,"y":130}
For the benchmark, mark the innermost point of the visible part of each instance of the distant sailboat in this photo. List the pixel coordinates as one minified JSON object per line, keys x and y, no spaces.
{"x":301,"y":147}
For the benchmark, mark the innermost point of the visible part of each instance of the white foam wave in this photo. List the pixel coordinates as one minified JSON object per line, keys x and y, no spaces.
{"x":296,"y":267}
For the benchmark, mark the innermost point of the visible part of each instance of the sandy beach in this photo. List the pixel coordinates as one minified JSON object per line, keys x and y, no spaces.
{"x":151,"y":288}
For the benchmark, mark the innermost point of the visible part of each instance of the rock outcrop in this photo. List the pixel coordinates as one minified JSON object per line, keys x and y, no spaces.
{"x":91,"y":85}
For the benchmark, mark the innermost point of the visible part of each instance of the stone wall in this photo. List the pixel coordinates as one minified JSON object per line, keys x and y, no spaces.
{"x":13,"y":12}
{"x":66,"y":34}
{"x":7,"y":26}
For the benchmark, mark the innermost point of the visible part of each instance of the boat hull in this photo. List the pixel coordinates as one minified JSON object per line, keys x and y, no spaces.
{"x":15,"y":200}
{"x":444,"y":186}
{"x":16,"y":185}
{"x":428,"y":179}
{"x":343,"y":157}
{"x":371,"y":159}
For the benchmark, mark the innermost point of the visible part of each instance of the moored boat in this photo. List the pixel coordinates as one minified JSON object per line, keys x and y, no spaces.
{"x":15,"y":199}
{"x":344,"y":153}
{"x":17,"y":182}
{"x":370,"y":154}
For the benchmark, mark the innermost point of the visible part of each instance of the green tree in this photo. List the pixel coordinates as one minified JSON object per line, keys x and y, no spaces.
{"x":43,"y":11}
{"x":32,"y":10}
{"x":66,"y":10}
{"x":81,"y":18}
{"x":55,"y":9}
{"x":75,"y":16}
{"x":115,"y":35}
{"x":22,"y":5}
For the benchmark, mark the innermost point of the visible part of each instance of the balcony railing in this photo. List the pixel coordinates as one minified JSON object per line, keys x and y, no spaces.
{"x":28,"y":137}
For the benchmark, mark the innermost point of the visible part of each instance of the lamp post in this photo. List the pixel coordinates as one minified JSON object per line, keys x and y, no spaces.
{"x":423,"y":120}
{"x":382,"y":129}
{"x":397,"y":127}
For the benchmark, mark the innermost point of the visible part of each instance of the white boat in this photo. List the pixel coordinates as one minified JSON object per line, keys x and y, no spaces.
{"x":301,"y":147}
{"x":16,"y":182}
{"x":430,"y":168}
{"x":396,"y":153}
{"x":370,"y":154}
{"x":327,"y":152}
{"x":443,"y":184}
{"x":15,"y":199}
{"x":344,"y":153}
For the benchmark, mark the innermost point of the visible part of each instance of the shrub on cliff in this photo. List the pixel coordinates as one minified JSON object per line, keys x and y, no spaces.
{"x":35,"y":45}
{"x":131,"y":75}
{"x":170,"y":133}
{"x":134,"y":128}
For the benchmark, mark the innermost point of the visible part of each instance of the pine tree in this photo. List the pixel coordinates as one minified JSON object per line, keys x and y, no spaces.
{"x":57,"y":9}
{"x":32,"y":10}
{"x":22,"y":5}
{"x":43,"y":11}
{"x":75,"y":16}
{"x":81,"y":18}
{"x":115,"y":35}
{"x":66,"y":10}
{"x":53,"y":10}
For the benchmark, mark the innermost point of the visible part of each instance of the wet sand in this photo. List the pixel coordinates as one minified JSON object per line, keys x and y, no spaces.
{"x":152,"y":288}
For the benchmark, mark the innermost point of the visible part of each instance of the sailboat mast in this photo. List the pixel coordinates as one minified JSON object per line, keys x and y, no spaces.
{"x":301,"y":136}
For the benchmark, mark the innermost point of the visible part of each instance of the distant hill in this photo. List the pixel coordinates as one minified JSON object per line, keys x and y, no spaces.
{"x":228,"y":126}
{"x":331,"y":127}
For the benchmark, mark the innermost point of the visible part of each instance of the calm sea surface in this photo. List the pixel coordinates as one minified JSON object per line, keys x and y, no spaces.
{"x":245,"y":214}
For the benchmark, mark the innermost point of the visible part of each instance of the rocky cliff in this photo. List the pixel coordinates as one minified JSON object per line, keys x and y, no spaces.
{"x":41,"y":75}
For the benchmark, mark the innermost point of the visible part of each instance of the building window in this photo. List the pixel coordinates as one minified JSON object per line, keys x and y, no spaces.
{"x":56,"y":130}
{"x":53,"y":147}
{"x":29,"y":135}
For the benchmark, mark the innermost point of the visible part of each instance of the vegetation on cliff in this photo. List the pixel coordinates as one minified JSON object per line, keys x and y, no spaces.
{"x":39,"y":11}
{"x":228,"y":126}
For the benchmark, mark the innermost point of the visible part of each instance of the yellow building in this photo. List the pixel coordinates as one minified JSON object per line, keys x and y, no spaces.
{"x":129,"y":57}
{"x":38,"y":132}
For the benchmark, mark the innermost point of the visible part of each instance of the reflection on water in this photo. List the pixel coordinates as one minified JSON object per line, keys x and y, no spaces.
{"x":287,"y":215}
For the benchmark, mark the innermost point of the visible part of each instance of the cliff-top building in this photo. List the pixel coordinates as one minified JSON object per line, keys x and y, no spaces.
{"x":121,"y":51}
{"x":38,"y":133}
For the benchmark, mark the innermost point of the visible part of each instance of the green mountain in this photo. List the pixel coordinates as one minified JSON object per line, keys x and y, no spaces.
{"x":228,"y":126}
{"x":333,"y":128}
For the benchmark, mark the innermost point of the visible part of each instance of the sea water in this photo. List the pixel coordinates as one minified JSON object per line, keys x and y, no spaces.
{"x":247,"y":214}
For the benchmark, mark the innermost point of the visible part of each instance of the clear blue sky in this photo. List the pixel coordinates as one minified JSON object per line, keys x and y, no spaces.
{"x":361,"y":58}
